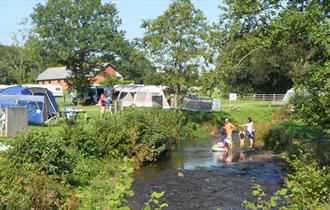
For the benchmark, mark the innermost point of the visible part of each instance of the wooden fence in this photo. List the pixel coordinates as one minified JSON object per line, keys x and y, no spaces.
{"x":264,"y":97}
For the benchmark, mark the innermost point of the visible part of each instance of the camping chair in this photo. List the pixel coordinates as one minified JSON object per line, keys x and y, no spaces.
{"x":69,"y":113}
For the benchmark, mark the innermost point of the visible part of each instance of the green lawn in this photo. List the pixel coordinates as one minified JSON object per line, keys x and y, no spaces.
{"x":240,"y":110}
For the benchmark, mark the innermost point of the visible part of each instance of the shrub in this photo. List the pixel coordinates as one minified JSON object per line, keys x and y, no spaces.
{"x":103,"y":184}
{"x":44,"y":150}
{"x":306,"y":148}
{"x":308,"y":183}
{"x":90,"y":139}
{"x":143,"y":134}
{"x":25,"y":187}
{"x":200,"y":124}
{"x":306,"y":187}
{"x":294,"y":137}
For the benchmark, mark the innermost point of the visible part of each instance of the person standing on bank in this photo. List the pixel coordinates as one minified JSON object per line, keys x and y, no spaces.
{"x":251,"y":131}
{"x":103,"y":105}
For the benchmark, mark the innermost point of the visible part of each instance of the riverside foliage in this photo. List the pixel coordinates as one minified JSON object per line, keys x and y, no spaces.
{"x":306,"y":150}
{"x":84,"y":166}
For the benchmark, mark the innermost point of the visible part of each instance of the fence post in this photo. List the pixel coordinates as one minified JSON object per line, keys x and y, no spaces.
{"x":263,"y":97}
{"x":274,"y":97}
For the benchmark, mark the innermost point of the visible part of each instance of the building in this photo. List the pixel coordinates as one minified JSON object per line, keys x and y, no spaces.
{"x":108,"y":70}
{"x":59,"y":75}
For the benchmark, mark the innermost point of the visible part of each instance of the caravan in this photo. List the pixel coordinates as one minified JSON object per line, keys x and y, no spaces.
{"x":56,"y":90}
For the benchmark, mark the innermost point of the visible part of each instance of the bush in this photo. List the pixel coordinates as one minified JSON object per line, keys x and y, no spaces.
{"x":294,"y":137}
{"x":42,"y":149}
{"x":142,"y":134}
{"x":200,"y":124}
{"x":103,"y":184}
{"x":306,"y":187}
{"x":308,"y":183}
{"x":25,"y":187}
{"x":88,"y":139}
{"x":313,"y":109}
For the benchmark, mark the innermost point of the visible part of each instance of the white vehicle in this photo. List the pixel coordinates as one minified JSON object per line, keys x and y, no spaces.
{"x":57,"y":90}
{"x":5,"y":86}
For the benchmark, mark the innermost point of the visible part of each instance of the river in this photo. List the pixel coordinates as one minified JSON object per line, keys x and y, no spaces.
{"x":194,"y":177}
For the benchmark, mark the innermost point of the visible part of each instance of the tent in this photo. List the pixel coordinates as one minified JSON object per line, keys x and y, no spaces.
{"x":53,"y":109}
{"x":40,"y":102}
{"x":288,"y":95}
{"x":140,"y":96}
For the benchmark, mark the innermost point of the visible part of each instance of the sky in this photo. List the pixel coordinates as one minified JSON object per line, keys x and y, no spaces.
{"x":132,"y":12}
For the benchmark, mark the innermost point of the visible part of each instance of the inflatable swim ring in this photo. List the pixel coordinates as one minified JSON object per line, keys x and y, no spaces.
{"x":219,"y":147}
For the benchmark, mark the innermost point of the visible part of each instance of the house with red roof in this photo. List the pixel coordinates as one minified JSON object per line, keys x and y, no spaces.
{"x":59,"y":75}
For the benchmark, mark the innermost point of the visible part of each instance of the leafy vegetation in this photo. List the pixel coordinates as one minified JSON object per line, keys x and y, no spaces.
{"x":110,"y":81}
{"x":84,"y":166}
{"x":269,"y":46}
{"x":141,"y":134}
{"x":154,"y":200}
{"x":176,"y":42}
{"x":306,"y":150}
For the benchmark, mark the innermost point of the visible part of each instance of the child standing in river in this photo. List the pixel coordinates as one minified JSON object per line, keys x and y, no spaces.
{"x":241,"y":135}
{"x":229,"y":128}
{"x":251,"y":131}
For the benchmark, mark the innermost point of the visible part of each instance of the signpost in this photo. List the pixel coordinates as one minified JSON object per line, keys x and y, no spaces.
{"x":232,"y":97}
{"x":216,"y":103}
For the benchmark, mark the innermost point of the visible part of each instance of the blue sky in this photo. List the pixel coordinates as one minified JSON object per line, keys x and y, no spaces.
{"x":132,"y":12}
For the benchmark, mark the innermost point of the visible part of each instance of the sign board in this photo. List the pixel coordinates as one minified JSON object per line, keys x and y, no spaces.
{"x":232,"y":96}
{"x":216,"y":103}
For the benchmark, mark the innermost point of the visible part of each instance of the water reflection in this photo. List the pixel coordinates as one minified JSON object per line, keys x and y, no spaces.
{"x":190,"y":155}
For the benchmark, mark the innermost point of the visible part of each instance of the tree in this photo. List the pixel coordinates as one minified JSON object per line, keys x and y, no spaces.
{"x":176,"y":43}
{"x":132,"y":62}
{"x":78,"y":34}
{"x":267,"y":46}
{"x":18,"y":62}
{"x":111,"y":81}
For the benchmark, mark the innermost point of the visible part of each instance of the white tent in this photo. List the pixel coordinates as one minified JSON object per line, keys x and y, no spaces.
{"x":288,"y":95}
{"x":141,"y":96}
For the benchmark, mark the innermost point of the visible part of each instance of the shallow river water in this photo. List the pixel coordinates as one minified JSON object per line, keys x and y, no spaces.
{"x":194,"y":177}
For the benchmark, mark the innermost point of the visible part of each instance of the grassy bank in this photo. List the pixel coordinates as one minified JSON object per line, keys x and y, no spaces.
{"x":306,"y":150}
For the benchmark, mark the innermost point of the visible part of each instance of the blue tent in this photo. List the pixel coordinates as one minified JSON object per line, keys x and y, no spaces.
{"x":53,"y":109}
{"x":40,"y":102}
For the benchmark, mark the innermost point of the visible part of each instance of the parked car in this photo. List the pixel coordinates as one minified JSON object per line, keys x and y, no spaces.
{"x":93,"y":95}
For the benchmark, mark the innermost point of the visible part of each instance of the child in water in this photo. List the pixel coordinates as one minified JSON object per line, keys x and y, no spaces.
{"x":229,"y":128}
{"x":241,"y":135}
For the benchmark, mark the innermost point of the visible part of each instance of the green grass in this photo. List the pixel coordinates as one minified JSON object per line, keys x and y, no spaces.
{"x":240,"y":110}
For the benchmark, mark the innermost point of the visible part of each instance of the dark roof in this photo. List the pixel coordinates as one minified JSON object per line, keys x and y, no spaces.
{"x":54,"y":73}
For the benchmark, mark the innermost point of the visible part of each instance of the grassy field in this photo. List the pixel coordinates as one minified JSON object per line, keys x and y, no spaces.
{"x":240,"y":110}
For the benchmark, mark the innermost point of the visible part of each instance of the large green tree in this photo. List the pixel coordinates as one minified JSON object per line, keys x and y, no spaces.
{"x":267,"y":46}
{"x":78,"y":34}
{"x":133,"y":63}
{"x":176,"y":43}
